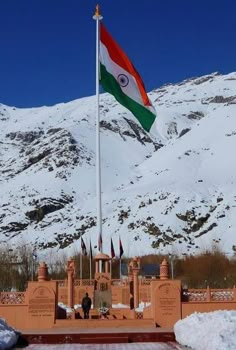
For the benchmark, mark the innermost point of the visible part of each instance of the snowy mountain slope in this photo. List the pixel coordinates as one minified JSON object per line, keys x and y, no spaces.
{"x":176,"y":190}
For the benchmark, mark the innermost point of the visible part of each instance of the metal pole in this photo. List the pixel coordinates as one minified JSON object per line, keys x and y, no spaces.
{"x":90,"y":269}
{"x":97,"y":17}
{"x":34,"y":257}
{"x":32,"y":268}
{"x":171,"y":266}
{"x":81,"y":267}
{"x":90,"y":261}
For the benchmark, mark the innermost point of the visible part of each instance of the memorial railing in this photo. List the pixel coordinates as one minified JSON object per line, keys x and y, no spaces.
{"x":61,"y":283}
{"x":222,"y":295}
{"x":209,"y":295}
{"x":145,"y":281}
{"x":12,"y":298}
{"x":84,"y":282}
{"x":77,"y":283}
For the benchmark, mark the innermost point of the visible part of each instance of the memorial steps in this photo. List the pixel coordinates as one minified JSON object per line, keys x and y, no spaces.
{"x":106,"y":323}
{"x":87,"y":332}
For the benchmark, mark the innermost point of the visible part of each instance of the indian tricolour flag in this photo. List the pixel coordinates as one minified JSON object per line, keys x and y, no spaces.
{"x":119,"y":77}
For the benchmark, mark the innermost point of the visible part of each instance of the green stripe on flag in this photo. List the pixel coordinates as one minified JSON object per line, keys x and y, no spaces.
{"x":110,"y":84}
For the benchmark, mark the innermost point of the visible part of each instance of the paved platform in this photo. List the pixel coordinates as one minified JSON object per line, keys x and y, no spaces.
{"x":83,"y":330}
{"x":96,"y":335}
{"x":99,"y":339}
{"x":134,"y":346}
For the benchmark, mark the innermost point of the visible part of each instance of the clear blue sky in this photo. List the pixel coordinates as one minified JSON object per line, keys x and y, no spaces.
{"x":47,"y":47}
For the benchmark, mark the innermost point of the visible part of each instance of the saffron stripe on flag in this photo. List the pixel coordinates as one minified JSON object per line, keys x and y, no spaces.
{"x":118,"y":56}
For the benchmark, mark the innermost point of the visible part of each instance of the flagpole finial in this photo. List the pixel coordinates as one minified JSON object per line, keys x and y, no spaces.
{"x":97,"y":15}
{"x":97,"y":12}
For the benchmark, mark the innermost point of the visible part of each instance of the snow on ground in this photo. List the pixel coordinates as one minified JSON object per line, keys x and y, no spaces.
{"x":8,"y":337}
{"x":208,"y":331}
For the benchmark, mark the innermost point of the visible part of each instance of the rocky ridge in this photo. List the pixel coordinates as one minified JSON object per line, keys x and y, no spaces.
{"x":172,"y":190}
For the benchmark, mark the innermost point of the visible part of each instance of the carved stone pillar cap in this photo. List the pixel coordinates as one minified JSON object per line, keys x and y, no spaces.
{"x":42,"y":271}
{"x":164,"y":262}
{"x":102,"y":256}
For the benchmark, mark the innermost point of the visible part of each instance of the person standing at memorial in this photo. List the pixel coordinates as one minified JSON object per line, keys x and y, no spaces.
{"x":86,"y":305}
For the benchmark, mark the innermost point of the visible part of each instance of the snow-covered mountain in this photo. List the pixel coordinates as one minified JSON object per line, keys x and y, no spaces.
{"x":176,"y":189}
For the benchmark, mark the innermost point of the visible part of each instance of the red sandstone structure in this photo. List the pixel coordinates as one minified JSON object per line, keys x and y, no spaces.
{"x":164,"y":300}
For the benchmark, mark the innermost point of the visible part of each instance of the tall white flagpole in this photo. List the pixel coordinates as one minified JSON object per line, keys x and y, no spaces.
{"x":97,"y":17}
{"x":111,"y":267}
{"x":81,"y":266}
{"x":90,"y":261}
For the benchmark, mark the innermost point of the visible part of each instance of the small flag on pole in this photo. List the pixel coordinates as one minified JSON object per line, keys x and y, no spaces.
{"x":83,"y":247}
{"x":121,"y":249}
{"x":120,"y":78}
{"x":112,"y":250}
{"x":100,"y":242}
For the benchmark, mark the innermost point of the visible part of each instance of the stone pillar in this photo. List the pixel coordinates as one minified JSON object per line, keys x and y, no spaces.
{"x":42,"y":272}
{"x":131,"y":285}
{"x":70,"y":278}
{"x":136,"y":269}
{"x":130,"y":271}
{"x":164,"y":270}
{"x":96,"y":266}
{"x":208,"y":294}
{"x":234,"y":291}
{"x":106,"y":266}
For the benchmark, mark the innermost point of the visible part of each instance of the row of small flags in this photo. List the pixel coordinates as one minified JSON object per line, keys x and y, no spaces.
{"x":113,"y":255}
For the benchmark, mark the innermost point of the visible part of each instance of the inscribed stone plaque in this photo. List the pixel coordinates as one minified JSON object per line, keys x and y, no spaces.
{"x":167,"y":304}
{"x":41,"y":311}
